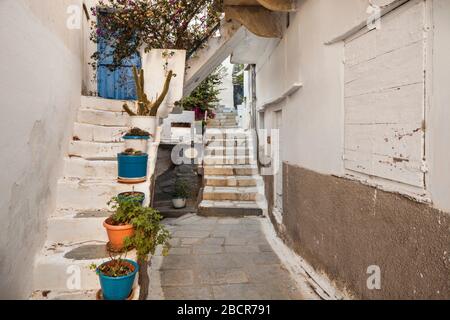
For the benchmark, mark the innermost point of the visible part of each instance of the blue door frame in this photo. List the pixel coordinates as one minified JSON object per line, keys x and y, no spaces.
{"x":118,"y":83}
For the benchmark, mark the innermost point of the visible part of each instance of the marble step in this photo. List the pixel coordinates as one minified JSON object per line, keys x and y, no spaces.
{"x":230,"y":208}
{"x":229,"y":160}
{"x":97,"y":133}
{"x":76,"y":226}
{"x":230,"y":193}
{"x":60,"y":265}
{"x":233,"y":181}
{"x":95,"y":150}
{"x":97,"y":103}
{"x":82,"y":168}
{"x":236,"y":170}
{"x":103,"y":118}
{"x":223,"y":134}
{"x":91,"y":194}
{"x":213,"y":150}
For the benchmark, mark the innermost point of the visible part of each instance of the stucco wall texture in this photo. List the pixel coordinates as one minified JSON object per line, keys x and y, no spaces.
{"x":40,"y":86}
{"x":342,"y":227}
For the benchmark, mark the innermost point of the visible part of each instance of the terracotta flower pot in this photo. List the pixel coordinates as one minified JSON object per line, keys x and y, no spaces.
{"x":117,"y":234}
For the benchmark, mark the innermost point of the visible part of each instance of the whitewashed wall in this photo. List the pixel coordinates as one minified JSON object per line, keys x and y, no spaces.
{"x":227,"y":92}
{"x":40,"y":86}
{"x":312,"y":53}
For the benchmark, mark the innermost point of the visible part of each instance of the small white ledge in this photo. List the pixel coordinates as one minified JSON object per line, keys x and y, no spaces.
{"x":292,"y":89}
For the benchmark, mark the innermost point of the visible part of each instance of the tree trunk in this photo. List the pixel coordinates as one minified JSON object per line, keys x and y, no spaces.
{"x":144,"y":279}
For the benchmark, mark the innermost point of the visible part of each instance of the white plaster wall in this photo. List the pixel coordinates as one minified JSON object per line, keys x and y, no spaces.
{"x":313,"y":124}
{"x":313,"y":117}
{"x":227,"y":91}
{"x":40,"y":85}
{"x":438,"y":113}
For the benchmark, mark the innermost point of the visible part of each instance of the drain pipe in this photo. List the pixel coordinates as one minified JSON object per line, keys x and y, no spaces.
{"x":253,"y":122}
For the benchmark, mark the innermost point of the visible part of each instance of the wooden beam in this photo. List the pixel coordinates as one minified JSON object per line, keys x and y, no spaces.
{"x":258,"y":20}
{"x":279,"y":5}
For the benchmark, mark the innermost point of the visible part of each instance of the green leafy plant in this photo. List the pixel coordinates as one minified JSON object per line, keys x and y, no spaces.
{"x":132,"y":152}
{"x":146,"y":107}
{"x":149,"y":233}
{"x":206,"y":96}
{"x":116,"y":267}
{"x":182,"y":189}
{"x":136,"y":132}
{"x":125,"y":210}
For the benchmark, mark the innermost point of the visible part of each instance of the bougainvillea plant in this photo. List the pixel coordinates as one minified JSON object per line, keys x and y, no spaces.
{"x":127,"y":26}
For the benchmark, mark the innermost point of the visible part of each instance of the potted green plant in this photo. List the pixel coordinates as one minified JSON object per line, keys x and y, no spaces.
{"x":181,"y":194}
{"x":149,"y":234}
{"x":119,"y":226}
{"x":117,"y":277}
{"x":137,"y":139}
{"x":145,"y":115}
{"x":132,"y":165}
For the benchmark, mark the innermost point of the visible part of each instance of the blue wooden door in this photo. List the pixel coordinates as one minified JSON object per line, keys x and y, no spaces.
{"x":118,"y":83}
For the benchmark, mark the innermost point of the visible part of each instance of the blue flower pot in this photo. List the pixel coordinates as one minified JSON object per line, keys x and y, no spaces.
{"x":118,"y":288}
{"x":132,"y":167}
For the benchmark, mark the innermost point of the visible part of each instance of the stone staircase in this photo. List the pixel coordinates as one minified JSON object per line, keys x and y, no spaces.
{"x":76,"y":237}
{"x":232,"y":184}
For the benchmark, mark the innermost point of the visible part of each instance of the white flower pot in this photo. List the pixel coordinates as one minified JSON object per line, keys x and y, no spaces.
{"x":155,"y":68}
{"x":179,"y":203}
{"x":149,"y":124}
{"x":137,"y":144}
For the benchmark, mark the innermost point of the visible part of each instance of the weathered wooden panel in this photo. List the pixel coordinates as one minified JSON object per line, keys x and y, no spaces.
{"x":399,"y":29}
{"x":385,"y":98}
{"x":398,"y":68}
{"x":399,"y":105}
{"x":393,"y":140}
{"x":408,"y":172}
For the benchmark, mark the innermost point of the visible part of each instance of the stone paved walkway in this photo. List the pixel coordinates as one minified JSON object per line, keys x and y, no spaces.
{"x":221,"y":258}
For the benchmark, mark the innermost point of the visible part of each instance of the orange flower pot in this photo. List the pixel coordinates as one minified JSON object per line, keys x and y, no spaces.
{"x":118,"y":234}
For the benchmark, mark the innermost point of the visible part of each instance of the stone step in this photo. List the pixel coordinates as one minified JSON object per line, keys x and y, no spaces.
{"x":218,"y":134}
{"x":103,"y":118}
{"x":72,"y":226}
{"x":95,"y":150}
{"x":102,"y":104}
{"x":82,"y":168}
{"x":230,"y":208}
{"x":96,"y":133}
{"x":60,"y":264}
{"x":233,"y":181}
{"x":91,"y":194}
{"x":230,"y":160}
{"x":228,"y":151}
{"x":230,"y":193}
{"x":236,"y":170}
{"x":225,"y":116}
{"x":222,"y":122}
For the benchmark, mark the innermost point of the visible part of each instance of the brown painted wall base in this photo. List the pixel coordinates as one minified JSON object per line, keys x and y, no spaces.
{"x":342,"y":227}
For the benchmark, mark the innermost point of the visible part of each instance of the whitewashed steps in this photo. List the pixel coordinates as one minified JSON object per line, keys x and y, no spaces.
{"x":82,"y":168}
{"x":230,"y":193}
{"x":102,"y":104}
{"x":228,"y":151}
{"x":233,"y":170}
{"x":96,"y":133}
{"x":59,"y":261}
{"x":86,"y":226}
{"x":103,"y":118}
{"x":230,"y":208}
{"x":95,"y":150}
{"x":90,"y":194}
{"x":233,"y":181}
{"x":228,"y":160}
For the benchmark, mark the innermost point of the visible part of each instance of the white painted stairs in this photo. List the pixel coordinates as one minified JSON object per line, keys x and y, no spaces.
{"x":232,"y":184}
{"x":75,"y":236}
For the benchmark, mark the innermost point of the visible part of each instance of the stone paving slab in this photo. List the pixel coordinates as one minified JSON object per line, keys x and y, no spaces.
{"x":221,"y":258}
